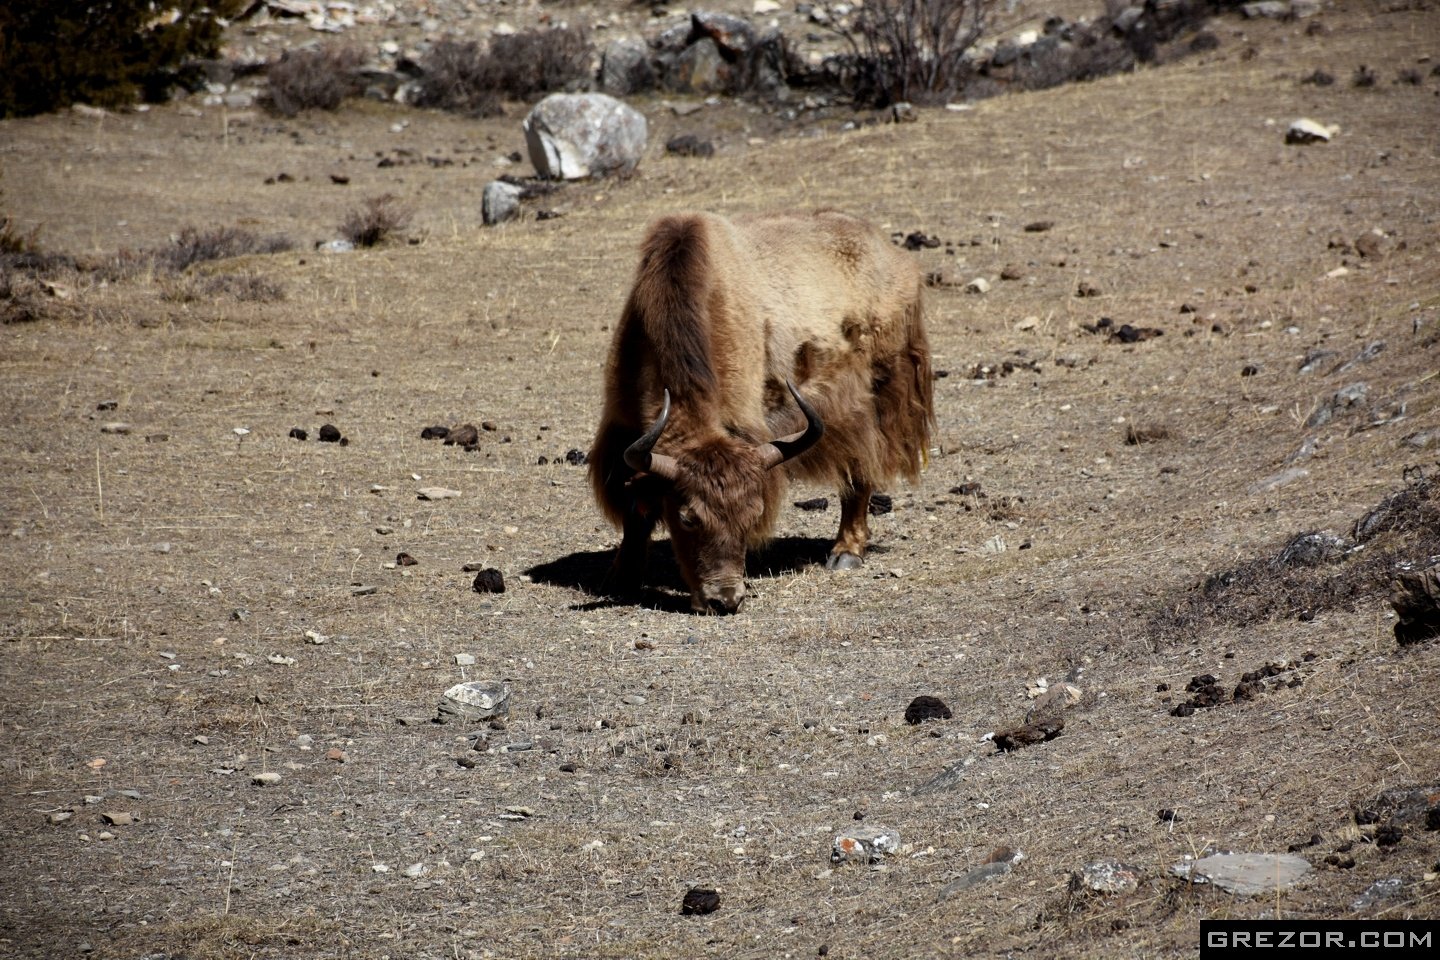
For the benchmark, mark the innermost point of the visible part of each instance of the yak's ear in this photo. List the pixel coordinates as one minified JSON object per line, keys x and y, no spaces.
{"x":780,"y":449}
{"x":639,"y":456}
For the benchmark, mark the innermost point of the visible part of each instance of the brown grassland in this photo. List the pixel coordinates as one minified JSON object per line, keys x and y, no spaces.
{"x":151,"y":577}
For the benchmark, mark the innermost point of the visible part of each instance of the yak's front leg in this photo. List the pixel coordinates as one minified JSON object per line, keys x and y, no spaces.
{"x":627,"y":576}
{"x":849,"y":550}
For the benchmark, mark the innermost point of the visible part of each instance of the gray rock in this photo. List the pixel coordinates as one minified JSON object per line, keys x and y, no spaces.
{"x":1108,"y":877}
{"x":575,"y":135}
{"x":864,"y":844}
{"x":625,"y":67}
{"x":500,"y":202}
{"x":974,"y":877}
{"x":1277,"y":480}
{"x":475,"y":700}
{"x":1272,"y":9}
{"x":732,"y":35}
{"x":1246,"y":874}
{"x":1126,"y":19}
{"x":1378,"y":892}
{"x":1423,"y":439}
{"x":701,"y":69}
{"x":1313,"y":549}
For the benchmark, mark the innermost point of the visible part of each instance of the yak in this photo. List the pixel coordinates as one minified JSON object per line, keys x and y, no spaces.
{"x":751,"y":349}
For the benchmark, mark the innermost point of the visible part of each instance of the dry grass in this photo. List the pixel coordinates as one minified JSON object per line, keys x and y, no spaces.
{"x":210,"y":552}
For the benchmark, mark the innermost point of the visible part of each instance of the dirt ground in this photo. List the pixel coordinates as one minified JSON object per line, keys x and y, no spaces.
{"x":167,"y":587}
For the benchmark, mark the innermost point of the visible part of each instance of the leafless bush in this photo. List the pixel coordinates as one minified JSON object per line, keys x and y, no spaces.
{"x":915,"y":50}
{"x":193,"y":245}
{"x":312,"y":79}
{"x":459,"y":76}
{"x":245,"y":287}
{"x":375,"y":221}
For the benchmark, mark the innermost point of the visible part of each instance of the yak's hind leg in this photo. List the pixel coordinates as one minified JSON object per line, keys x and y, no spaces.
{"x":849,"y":550}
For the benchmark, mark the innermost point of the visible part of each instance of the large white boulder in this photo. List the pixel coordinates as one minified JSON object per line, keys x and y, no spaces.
{"x":571,"y":136}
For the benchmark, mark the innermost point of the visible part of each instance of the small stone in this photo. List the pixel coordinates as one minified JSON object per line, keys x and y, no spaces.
{"x":436,"y":493}
{"x":698,"y":901}
{"x":974,"y":877}
{"x":364,"y":590}
{"x":633,"y":699}
{"x":60,"y":816}
{"x":116,"y":427}
{"x":864,"y":845}
{"x":979,"y":286}
{"x":1378,"y":892}
{"x":405,"y":560}
{"x":476,"y":700}
{"x":118,"y":819}
{"x":266,"y":779}
{"x":1108,"y":877}
{"x":336,"y":755}
{"x":464,"y":660}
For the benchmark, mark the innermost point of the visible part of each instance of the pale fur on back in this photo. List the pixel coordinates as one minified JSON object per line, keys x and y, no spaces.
{"x":723,"y":311}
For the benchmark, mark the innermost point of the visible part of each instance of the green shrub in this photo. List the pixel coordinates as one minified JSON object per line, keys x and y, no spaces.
{"x":59,"y":52}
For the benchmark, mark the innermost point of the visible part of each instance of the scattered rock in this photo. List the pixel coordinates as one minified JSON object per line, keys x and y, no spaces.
{"x":979,"y":285}
{"x":1341,"y":402}
{"x":266,"y":779}
{"x":405,"y":560}
{"x":864,"y":844}
{"x":1277,"y":480}
{"x":689,"y":145}
{"x":1305,"y":130}
{"x":974,"y":877}
{"x":1109,"y":877}
{"x":1313,"y":549}
{"x":625,"y":67}
{"x":1246,"y":874}
{"x":1415,"y":595}
{"x":926,"y":707}
{"x":500,"y":202}
{"x":118,"y":819}
{"x":699,"y":901}
{"x":1378,"y":892}
{"x":436,"y":493}
{"x":475,"y":700}
{"x":363,"y":590}
{"x":116,"y":427}
{"x":489,"y":580}
{"x":575,"y":135}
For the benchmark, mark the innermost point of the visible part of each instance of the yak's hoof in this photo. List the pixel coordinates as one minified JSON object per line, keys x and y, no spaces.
{"x":843,"y":561}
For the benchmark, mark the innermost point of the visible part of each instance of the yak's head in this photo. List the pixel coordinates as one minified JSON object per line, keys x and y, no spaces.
{"x":714,"y":502}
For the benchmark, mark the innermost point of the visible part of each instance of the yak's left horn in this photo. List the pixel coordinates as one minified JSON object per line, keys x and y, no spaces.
{"x":780,"y":449}
{"x":639,"y":456}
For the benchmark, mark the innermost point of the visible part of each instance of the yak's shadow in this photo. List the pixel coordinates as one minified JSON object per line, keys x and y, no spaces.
{"x":589,"y":572}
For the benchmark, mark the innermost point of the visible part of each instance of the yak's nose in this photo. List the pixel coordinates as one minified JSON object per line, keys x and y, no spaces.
{"x":724,"y":599}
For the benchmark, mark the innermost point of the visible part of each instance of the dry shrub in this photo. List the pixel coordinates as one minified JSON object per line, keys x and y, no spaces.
{"x":245,"y":287}
{"x":376,"y":220}
{"x":915,"y":50}
{"x":1300,"y":579}
{"x":461,"y":77}
{"x":193,"y":245}
{"x":312,"y":79}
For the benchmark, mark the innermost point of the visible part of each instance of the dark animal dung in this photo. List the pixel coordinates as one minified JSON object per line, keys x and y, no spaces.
{"x":329,"y":433}
{"x":926,"y":707}
{"x":489,"y":580}
{"x":698,"y":901}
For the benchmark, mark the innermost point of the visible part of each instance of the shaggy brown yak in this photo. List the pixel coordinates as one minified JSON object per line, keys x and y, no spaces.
{"x":728,"y":320}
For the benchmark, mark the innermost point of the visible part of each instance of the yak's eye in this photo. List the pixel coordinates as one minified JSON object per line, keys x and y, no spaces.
{"x":688,"y":520}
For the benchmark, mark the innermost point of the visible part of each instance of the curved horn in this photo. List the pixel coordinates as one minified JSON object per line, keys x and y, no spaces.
{"x":638,"y":455}
{"x":780,"y":449}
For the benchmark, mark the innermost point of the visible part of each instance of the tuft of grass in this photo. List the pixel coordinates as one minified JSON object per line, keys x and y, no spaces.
{"x":312,"y":79}
{"x":376,"y":220}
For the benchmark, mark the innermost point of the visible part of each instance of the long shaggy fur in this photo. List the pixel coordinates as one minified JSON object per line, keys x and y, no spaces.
{"x":722,"y":312}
